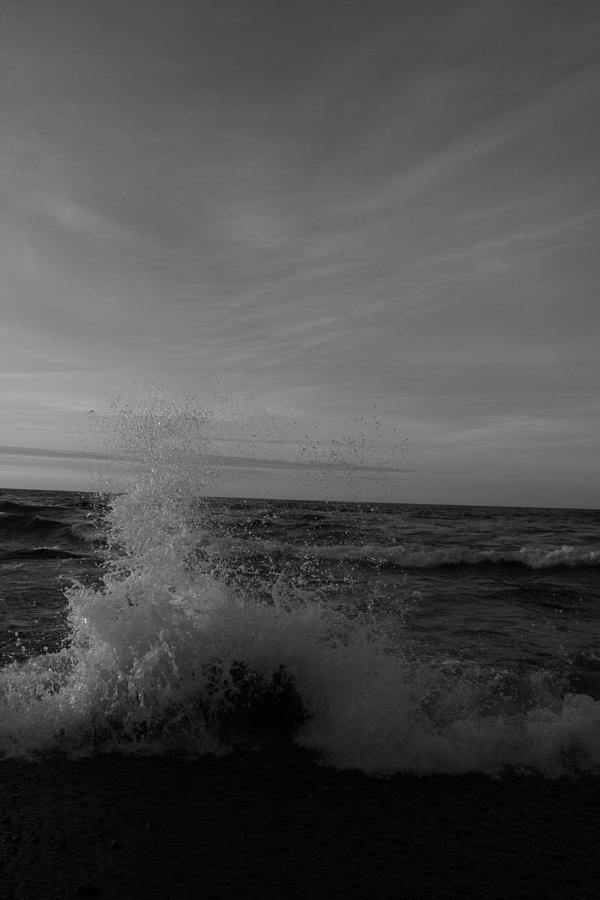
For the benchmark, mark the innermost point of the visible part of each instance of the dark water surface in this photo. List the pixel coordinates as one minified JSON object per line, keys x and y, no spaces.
{"x":496,"y":583}
{"x":511,"y":595}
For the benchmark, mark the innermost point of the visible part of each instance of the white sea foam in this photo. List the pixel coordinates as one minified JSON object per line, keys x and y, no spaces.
{"x":156,"y":652}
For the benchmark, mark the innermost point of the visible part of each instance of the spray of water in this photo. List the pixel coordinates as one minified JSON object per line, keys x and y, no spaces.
{"x":168,"y":652}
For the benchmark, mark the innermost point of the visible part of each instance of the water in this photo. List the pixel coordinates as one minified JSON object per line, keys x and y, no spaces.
{"x":383,"y":637}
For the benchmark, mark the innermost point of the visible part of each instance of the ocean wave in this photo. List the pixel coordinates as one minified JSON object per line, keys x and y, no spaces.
{"x":17,"y":507}
{"x":409,"y":556}
{"x":433,"y":557}
{"x":165,"y":655}
{"x":89,"y":532}
{"x":41,"y":553}
{"x":29,"y":522}
{"x":159,"y":668}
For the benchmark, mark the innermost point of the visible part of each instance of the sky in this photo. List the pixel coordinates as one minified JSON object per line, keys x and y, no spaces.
{"x":356,"y":232}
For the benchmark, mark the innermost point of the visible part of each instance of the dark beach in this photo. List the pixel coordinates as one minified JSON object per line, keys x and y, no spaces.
{"x":254,"y":826}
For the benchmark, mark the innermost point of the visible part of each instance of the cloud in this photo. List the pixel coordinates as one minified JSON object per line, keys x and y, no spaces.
{"x":346,"y":206}
{"x":20,"y":452}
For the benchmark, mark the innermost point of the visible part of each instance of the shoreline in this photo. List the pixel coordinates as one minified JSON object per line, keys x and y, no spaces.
{"x":250,"y":825}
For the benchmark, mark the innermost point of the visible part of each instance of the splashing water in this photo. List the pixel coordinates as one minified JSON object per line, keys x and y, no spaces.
{"x":172,"y":651}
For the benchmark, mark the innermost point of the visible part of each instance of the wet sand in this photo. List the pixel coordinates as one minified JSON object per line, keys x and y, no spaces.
{"x":261,"y":827}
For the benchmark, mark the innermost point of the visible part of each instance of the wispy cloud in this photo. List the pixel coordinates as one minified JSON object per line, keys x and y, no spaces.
{"x":52,"y":454}
{"x":399,"y":214}
{"x":517,"y":240}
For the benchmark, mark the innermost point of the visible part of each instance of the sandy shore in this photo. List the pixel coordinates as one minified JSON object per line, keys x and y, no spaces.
{"x":118,"y":827}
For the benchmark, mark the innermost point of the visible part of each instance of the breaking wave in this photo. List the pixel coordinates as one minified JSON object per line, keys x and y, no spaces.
{"x":415,"y":556}
{"x":170,"y":651}
{"x":22,"y":520}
